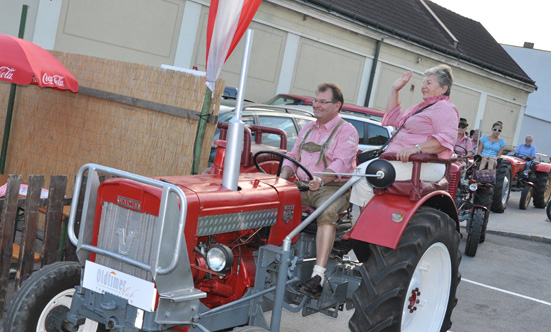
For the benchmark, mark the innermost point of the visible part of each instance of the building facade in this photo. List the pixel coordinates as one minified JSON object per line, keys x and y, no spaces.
{"x":299,"y":44}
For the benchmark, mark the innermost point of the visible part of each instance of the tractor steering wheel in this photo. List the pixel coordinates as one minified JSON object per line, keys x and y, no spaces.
{"x":283,"y":156}
{"x":458,"y":152}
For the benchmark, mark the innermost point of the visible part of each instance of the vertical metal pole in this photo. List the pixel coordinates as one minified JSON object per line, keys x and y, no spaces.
{"x":279,"y":294}
{"x":372,"y":74}
{"x":235,"y":135}
{"x":11,"y":100}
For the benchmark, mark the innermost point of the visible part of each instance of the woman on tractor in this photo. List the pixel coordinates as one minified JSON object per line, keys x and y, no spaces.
{"x":491,"y":148}
{"x":428,"y":127}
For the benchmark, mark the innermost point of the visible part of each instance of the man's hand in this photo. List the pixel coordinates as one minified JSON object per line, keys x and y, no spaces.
{"x":315,"y":184}
{"x":286,"y":172}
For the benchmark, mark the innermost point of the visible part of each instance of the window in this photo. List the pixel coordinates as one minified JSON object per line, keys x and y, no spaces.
{"x":377,"y":135}
{"x":286,"y":124}
{"x":359,"y":125}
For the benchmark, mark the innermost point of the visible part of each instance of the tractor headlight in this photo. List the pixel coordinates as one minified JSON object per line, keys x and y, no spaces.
{"x":473,"y":186}
{"x":220,"y":258}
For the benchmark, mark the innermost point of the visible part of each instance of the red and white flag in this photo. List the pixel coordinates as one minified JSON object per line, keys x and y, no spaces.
{"x":228,"y":21}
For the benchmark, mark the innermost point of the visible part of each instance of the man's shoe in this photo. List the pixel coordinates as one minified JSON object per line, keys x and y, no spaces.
{"x":311,"y":287}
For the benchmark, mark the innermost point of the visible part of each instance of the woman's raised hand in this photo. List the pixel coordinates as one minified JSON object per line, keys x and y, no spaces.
{"x":402,"y":81}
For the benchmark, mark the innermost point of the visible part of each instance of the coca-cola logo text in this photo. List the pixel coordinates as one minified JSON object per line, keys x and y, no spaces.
{"x":6,"y":73}
{"x":56,"y":80}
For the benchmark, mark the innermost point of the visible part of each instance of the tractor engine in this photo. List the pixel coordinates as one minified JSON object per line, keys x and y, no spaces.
{"x":223,"y":229}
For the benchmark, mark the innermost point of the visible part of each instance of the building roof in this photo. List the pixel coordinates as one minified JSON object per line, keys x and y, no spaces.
{"x":431,"y":26}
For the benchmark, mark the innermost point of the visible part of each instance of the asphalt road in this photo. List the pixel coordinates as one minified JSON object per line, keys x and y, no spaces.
{"x":506,"y":287}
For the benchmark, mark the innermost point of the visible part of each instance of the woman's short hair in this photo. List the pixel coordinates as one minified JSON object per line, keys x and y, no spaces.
{"x":498,"y":123}
{"x":337,"y":92}
{"x":444,"y":76}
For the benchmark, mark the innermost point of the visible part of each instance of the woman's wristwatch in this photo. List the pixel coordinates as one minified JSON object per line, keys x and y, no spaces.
{"x":418,"y":148}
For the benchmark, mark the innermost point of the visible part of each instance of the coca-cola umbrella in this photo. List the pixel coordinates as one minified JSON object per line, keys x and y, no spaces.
{"x":23,"y":63}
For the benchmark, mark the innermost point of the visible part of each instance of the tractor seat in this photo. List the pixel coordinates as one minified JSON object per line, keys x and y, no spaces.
{"x":415,"y":188}
{"x":343,"y":226}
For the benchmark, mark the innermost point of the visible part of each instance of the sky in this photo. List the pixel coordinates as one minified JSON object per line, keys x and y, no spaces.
{"x":510,"y":22}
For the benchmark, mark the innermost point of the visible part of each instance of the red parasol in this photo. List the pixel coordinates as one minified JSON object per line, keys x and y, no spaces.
{"x":23,"y":63}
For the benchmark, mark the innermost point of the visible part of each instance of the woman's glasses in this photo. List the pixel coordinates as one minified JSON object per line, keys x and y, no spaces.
{"x":462,"y":126}
{"x":495,"y":129}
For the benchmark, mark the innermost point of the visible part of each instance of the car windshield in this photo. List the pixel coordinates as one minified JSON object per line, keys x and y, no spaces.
{"x":284,"y":100}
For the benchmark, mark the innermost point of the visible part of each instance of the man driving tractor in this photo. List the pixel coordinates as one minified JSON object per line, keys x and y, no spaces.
{"x":527,"y":151}
{"x":326,"y":145}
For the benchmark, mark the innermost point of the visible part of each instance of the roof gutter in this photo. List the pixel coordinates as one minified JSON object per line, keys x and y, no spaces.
{"x":403,"y":35}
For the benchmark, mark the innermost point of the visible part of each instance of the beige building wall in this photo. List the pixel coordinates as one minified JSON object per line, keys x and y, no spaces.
{"x":295,"y":47}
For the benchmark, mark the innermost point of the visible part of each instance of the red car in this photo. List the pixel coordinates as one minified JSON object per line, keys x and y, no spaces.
{"x":287,"y":99}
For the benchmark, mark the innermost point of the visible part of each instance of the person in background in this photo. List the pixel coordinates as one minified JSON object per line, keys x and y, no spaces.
{"x":491,"y":147}
{"x":329,"y":145}
{"x":474,"y":138}
{"x":433,"y":130}
{"x":527,"y":151}
{"x":464,"y":141}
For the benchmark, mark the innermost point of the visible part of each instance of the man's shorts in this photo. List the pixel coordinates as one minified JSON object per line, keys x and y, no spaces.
{"x":316,"y":198}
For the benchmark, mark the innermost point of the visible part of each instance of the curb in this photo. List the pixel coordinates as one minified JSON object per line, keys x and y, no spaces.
{"x":534,"y":238}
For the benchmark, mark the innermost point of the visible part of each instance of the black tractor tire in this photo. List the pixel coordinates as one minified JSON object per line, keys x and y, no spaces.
{"x":474,"y":232}
{"x":393,"y":280}
{"x":542,"y":189}
{"x":502,"y":188}
{"x":44,"y":298}
{"x":525,"y":197}
{"x":483,"y":196}
{"x":548,"y":210}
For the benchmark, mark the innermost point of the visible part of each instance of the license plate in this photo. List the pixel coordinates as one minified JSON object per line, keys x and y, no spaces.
{"x":139,"y":293}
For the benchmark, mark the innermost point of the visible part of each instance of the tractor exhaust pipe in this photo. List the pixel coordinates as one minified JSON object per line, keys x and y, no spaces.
{"x":236,"y":126}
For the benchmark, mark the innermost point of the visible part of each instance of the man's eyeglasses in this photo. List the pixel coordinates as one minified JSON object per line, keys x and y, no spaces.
{"x":322,"y":101}
{"x":495,"y":129}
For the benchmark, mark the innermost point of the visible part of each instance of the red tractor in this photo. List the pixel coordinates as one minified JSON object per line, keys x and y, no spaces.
{"x":511,"y":175}
{"x":184,"y":253}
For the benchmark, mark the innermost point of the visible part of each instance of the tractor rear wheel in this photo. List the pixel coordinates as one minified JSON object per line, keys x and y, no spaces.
{"x":44,"y":299}
{"x":474,"y":231}
{"x":542,"y":190}
{"x":502,"y":188}
{"x":412,"y":287}
{"x":525,"y":197}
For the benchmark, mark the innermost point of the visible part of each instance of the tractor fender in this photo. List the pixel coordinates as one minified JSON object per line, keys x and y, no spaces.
{"x":543,"y":167}
{"x":385,"y":217}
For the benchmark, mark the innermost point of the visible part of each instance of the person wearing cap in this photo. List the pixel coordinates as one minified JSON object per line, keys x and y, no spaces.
{"x":465,"y":143}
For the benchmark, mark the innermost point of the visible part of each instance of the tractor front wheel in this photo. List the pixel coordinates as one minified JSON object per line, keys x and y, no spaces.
{"x":474,"y":232}
{"x":542,"y":190}
{"x":502,"y":188}
{"x":412,"y":287}
{"x":44,"y":299}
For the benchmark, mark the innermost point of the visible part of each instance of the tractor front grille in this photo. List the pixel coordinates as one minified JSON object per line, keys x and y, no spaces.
{"x":232,"y":222}
{"x":453,"y":182}
{"x":128,"y":233}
